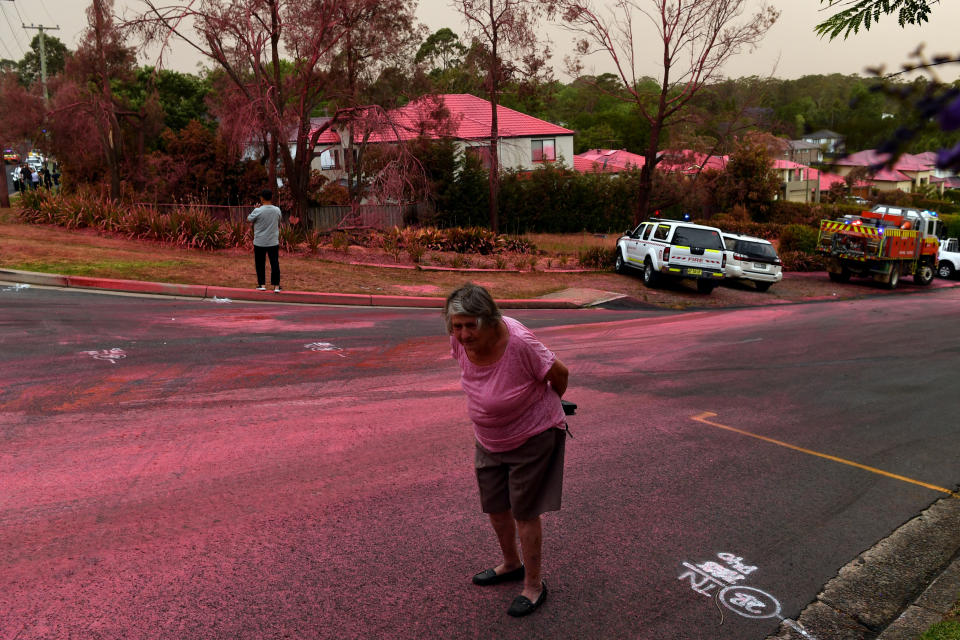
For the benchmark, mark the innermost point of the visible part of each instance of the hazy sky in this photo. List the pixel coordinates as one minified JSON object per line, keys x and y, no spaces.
{"x":790,"y":49}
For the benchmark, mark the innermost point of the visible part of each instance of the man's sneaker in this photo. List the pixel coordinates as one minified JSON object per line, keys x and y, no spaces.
{"x":261,"y":288}
{"x":277,"y":289}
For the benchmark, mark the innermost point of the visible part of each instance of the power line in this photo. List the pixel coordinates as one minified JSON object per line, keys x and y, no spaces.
{"x":12,"y":30}
{"x":49,"y":15}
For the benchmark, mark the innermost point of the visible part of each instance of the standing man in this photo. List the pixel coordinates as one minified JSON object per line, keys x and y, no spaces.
{"x":266,"y":240}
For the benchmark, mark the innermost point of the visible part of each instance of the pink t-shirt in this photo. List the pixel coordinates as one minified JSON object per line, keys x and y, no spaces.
{"x":510,"y":401}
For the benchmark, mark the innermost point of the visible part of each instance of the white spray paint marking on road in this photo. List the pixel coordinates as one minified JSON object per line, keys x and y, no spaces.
{"x":16,"y":287}
{"x":217,"y":300}
{"x":112,"y":355}
{"x":324,"y":346}
{"x":719,"y":581}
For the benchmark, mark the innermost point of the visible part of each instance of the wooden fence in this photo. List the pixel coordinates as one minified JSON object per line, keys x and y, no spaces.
{"x":376,"y":216}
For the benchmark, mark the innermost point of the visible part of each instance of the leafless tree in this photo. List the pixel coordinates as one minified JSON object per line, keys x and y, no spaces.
{"x":696,"y":38}
{"x":506,"y":29}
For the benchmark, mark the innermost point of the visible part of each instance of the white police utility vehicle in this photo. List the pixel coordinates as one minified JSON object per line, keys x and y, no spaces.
{"x":673,"y":249}
{"x":949,"y":259}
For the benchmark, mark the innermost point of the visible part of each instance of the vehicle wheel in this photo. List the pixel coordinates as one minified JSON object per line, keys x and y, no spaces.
{"x":763,"y":286}
{"x":945,"y":270}
{"x":619,"y":265}
{"x":923,"y":275}
{"x":650,"y":277}
{"x":843,"y":276}
{"x":705,"y":286}
{"x":894,"y":279}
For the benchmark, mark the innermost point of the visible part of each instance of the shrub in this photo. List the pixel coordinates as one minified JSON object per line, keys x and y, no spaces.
{"x":340,"y":242}
{"x":416,"y":250}
{"x":290,"y":237}
{"x":798,"y":237}
{"x":800,"y":261}
{"x":238,"y":234}
{"x":597,"y":258}
{"x":951,"y":225}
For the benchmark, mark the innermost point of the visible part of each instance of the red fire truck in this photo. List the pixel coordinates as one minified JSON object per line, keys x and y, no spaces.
{"x":884,"y":244}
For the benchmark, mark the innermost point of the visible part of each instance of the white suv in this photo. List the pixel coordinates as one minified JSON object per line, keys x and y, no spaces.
{"x":949,"y":259}
{"x":673,"y":249}
{"x":750,"y":258}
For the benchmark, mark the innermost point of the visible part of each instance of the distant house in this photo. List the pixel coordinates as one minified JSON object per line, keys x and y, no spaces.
{"x":907,"y":174}
{"x":798,"y":182}
{"x":830,"y":142}
{"x":525,"y":142}
{"x":607,"y":161}
{"x":802,"y":152}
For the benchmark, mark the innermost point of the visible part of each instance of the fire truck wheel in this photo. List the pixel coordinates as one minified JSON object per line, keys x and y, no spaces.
{"x":650,"y":276}
{"x":924,"y":275}
{"x":945,"y":270}
{"x":894,"y":278}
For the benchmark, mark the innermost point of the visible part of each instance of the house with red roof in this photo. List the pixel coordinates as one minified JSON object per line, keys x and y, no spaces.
{"x":907,"y":173}
{"x":798,"y":182}
{"x":607,"y":161}
{"x":525,"y":142}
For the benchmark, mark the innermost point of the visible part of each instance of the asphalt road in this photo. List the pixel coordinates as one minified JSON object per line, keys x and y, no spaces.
{"x":185,"y":469}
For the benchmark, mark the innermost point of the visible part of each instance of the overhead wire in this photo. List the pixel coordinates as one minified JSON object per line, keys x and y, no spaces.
{"x":49,"y":15}
{"x":12,"y":30}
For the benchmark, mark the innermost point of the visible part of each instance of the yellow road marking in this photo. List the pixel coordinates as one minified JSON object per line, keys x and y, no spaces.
{"x":702,"y":418}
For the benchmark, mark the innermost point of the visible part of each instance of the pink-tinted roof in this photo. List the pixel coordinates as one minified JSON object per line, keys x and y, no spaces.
{"x":687,"y":161}
{"x":869,"y":157}
{"x":607,"y":160}
{"x":779,"y":163}
{"x":889,"y":175}
{"x":583,"y":165}
{"x":467,"y":117}
{"x":827,"y":180}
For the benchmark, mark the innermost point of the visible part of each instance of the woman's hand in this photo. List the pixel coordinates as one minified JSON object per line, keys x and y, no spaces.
{"x":557,"y":376}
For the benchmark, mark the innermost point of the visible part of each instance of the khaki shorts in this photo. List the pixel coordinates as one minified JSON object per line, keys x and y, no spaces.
{"x":528,"y":479}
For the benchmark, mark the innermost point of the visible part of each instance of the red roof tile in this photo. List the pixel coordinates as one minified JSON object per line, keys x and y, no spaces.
{"x":607,"y":160}
{"x":870,"y":157}
{"x":469,"y":119}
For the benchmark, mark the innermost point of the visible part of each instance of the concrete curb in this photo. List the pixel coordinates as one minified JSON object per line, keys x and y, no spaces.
{"x":299,"y":297}
{"x":894,"y":590}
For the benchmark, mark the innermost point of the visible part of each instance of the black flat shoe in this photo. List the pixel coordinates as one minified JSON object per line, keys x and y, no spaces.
{"x":521,"y":605}
{"x":489,"y":576}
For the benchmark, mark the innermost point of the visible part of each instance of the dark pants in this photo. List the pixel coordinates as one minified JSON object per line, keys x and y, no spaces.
{"x":259,"y":257}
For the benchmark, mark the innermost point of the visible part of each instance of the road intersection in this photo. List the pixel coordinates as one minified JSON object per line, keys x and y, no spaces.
{"x":203,"y":469}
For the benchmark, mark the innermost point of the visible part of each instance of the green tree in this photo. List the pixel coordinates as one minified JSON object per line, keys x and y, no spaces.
{"x":182,"y":96}
{"x":29,"y":65}
{"x":749,"y":180}
{"x":442,"y":50}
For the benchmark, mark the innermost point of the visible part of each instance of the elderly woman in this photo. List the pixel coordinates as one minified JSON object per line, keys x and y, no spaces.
{"x":513,"y":385}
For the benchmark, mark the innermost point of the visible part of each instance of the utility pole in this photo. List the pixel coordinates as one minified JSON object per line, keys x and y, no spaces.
{"x":43,"y":57}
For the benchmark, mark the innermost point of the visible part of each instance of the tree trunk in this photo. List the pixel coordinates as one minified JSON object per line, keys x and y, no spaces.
{"x":494,"y":77}
{"x":4,"y":190}
{"x":494,"y":177}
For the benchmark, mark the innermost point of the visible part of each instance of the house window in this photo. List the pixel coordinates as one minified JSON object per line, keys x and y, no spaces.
{"x":482,"y":154}
{"x":330,"y":159}
{"x":543,"y":150}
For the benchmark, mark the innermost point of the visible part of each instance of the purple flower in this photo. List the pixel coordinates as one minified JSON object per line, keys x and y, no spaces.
{"x":950,"y":116}
{"x":949,"y":158}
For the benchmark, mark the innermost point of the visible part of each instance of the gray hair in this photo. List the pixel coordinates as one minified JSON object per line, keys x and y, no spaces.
{"x":471,"y":300}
